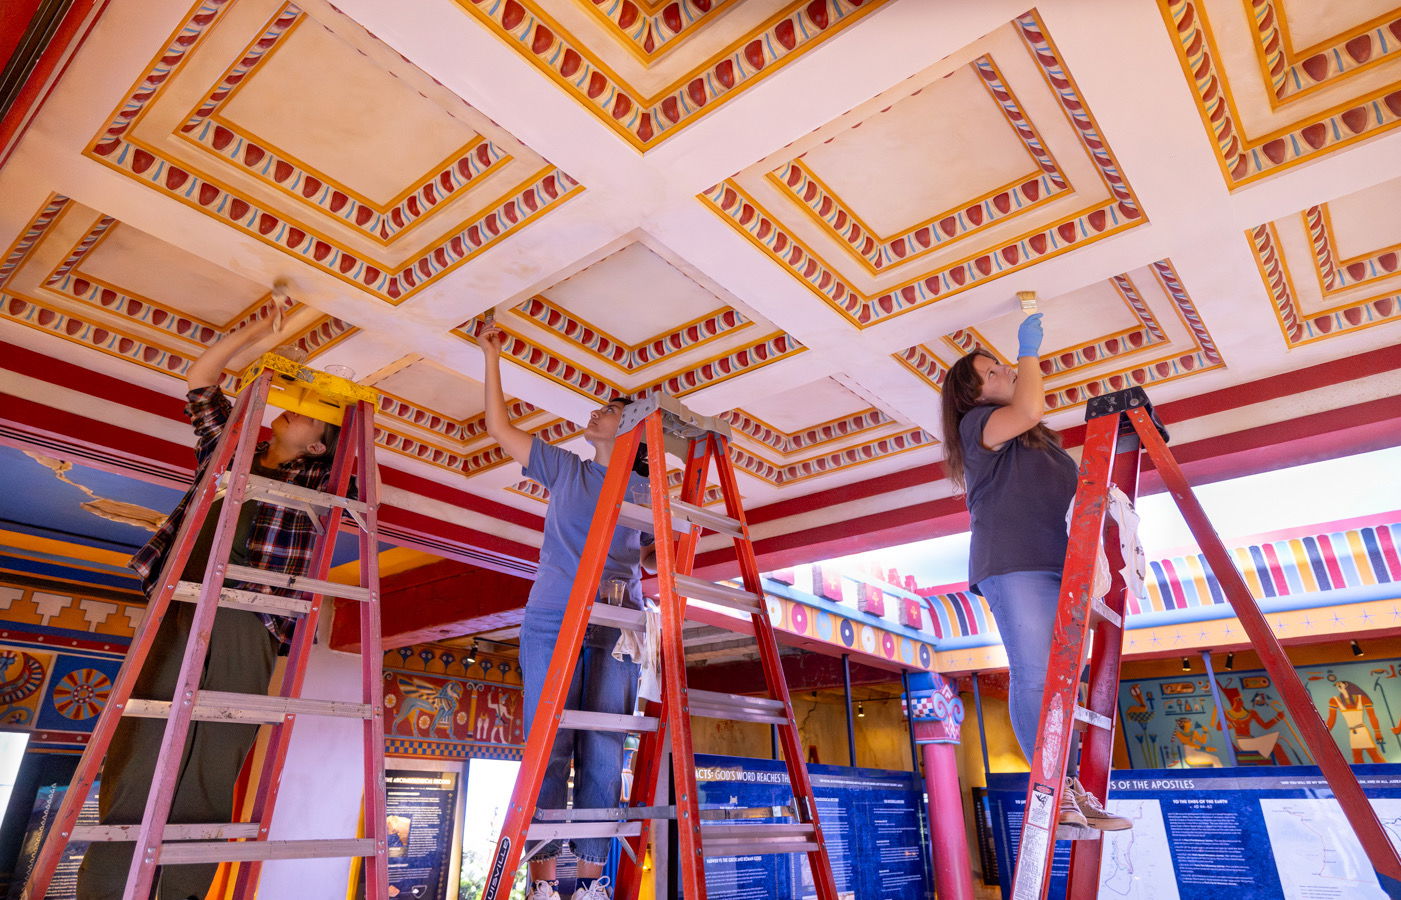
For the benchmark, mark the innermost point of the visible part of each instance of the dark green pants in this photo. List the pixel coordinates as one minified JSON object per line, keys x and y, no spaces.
{"x":241,"y":656}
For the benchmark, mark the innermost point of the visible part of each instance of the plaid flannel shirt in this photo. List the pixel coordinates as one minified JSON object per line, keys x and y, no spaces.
{"x":281,"y":539}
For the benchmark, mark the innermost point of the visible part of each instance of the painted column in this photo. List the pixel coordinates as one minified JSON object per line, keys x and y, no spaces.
{"x":321,"y":783}
{"x":936,"y":712}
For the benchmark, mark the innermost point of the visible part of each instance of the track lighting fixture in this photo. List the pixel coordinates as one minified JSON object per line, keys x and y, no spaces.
{"x":1186,"y":663}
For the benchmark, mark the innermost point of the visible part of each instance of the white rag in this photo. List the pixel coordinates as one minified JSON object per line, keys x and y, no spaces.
{"x":1120,"y":508}
{"x":642,"y":647}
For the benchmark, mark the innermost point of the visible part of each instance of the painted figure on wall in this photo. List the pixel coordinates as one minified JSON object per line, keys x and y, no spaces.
{"x":1197,"y":751}
{"x":1364,"y":731}
{"x":423,"y":699}
{"x":1253,"y":749}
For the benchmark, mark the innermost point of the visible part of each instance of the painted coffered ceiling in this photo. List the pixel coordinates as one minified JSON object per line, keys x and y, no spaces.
{"x":793,"y":215}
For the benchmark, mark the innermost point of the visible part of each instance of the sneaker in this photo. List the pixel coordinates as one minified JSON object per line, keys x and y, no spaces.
{"x":596,"y":891}
{"x":1070,"y":810}
{"x":1092,"y":811}
{"x":542,"y":890}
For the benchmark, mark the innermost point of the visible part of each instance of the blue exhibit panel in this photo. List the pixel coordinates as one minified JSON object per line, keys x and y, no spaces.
{"x":1221,"y":834}
{"x":870,"y":819}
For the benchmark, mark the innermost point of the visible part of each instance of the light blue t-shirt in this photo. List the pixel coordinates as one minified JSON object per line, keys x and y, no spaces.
{"x":574,"y":485}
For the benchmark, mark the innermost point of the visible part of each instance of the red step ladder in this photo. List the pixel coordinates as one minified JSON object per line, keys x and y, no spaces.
{"x":663,"y":423}
{"x":271,"y":380}
{"x":1119,"y":426}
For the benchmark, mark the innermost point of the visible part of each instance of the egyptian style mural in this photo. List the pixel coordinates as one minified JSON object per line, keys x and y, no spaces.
{"x":452,"y":702}
{"x":1175,"y":723}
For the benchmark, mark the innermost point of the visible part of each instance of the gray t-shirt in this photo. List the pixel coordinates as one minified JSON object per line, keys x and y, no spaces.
{"x":574,"y":485}
{"x":1017,"y":498}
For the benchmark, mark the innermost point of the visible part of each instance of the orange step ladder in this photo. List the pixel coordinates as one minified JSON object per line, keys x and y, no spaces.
{"x":271,"y":380}
{"x":662,"y":423}
{"x":1120,"y":425}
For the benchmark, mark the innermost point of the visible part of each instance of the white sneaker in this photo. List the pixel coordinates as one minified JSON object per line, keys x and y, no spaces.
{"x":596,"y":891}
{"x":1096,"y":816}
{"x":542,"y":890}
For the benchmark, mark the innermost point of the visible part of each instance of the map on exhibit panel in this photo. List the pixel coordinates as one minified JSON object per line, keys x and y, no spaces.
{"x":1137,"y":864}
{"x":1316,"y":852}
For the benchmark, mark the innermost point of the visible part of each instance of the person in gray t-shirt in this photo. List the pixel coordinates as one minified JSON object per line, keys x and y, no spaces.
{"x":1019,"y":484}
{"x":600,"y":682}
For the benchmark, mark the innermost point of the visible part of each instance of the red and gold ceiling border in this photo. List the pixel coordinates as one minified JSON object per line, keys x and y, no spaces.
{"x":79,"y":328}
{"x":781,"y":474}
{"x":1298,"y":326}
{"x":1336,"y":274}
{"x":1243,"y":158}
{"x":466,"y":462}
{"x":463,"y":430}
{"x":596,"y":342}
{"x":1203,"y":356}
{"x":1292,"y":73}
{"x":116,"y":148}
{"x":875,"y":252}
{"x":279,"y":170}
{"x":731,"y":363}
{"x":786,"y":442}
{"x":1120,"y":212}
{"x":646,"y":121}
{"x":533,"y":490}
{"x":650,"y":33}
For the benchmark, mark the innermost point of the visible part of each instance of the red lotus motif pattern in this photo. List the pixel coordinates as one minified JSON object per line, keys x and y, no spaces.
{"x":536,"y":195}
{"x":646,"y":121}
{"x":1244,"y":159}
{"x":631,"y":357}
{"x":1292,"y":78}
{"x":1300,"y":327}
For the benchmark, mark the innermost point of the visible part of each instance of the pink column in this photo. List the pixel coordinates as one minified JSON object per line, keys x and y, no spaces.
{"x":936,"y":717}
{"x":948,"y":838}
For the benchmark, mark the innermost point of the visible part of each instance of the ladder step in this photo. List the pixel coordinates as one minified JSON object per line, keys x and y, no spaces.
{"x":252,"y":601}
{"x":223,"y":706}
{"x":639,"y":516}
{"x":723,"y":594}
{"x":738,"y":707}
{"x":580,"y":720}
{"x":297,"y":582}
{"x":705,"y":518}
{"x":1100,"y":612}
{"x":749,"y":840}
{"x":550,"y":831}
{"x":618,"y":617}
{"x":180,"y":854}
{"x":280,"y":493}
{"x":230,"y":831}
{"x":1085,"y":717}
{"x":637,"y":813}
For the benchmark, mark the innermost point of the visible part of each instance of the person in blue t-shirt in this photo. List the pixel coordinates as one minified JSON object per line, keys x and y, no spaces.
{"x":601,"y":683}
{"x":1019,"y":484}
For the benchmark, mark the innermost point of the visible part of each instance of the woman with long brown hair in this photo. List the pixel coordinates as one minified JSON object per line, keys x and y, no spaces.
{"x":1019,"y":484}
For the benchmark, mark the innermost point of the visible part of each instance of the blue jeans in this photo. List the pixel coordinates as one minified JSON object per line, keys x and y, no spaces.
{"x":1024,"y":605}
{"x":600,"y":684}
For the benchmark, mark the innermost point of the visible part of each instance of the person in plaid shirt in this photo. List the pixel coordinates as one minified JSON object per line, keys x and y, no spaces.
{"x":243,"y":646}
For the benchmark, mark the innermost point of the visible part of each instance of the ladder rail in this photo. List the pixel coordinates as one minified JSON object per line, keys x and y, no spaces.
{"x":161,"y":796}
{"x":1326,"y":754}
{"x":376,"y":802}
{"x":674,"y":689}
{"x":507,"y":855}
{"x":818,"y":858}
{"x":202,"y":499}
{"x":650,"y":767}
{"x":1097,"y":744}
{"x":294,"y":674}
{"x":1032,"y":875}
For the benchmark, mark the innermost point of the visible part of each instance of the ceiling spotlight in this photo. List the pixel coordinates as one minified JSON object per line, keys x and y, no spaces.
{"x":1230,"y":660}
{"x":1186,"y":663}
{"x":471,"y":655}
{"x":1356,"y":648}
{"x":860,"y":710}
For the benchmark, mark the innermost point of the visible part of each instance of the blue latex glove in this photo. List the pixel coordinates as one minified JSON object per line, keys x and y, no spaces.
{"x":1029,"y":336}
